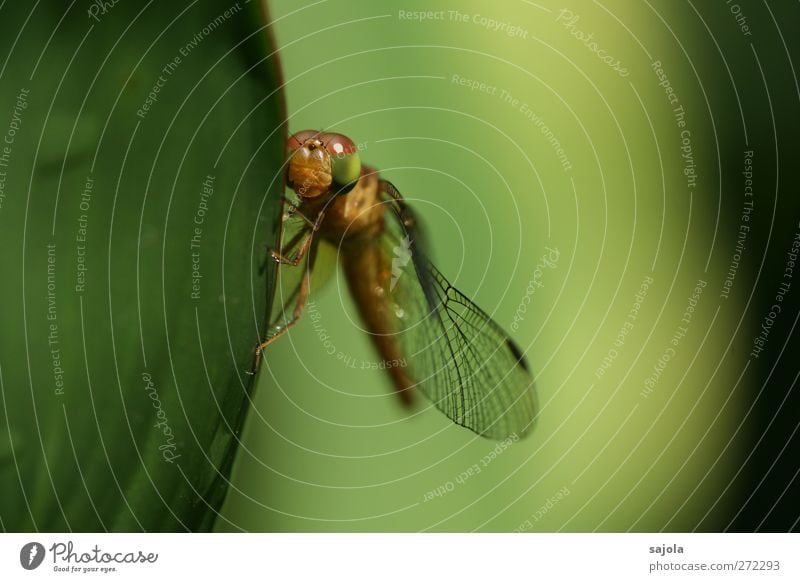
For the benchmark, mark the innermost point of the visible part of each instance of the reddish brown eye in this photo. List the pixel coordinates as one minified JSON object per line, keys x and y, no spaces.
{"x":299,"y":138}
{"x":337,"y":144}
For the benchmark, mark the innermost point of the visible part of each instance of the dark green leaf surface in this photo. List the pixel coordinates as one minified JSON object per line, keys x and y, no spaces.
{"x":132,"y":230}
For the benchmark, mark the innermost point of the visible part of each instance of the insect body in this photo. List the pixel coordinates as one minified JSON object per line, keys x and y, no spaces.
{"x":456,"y":355}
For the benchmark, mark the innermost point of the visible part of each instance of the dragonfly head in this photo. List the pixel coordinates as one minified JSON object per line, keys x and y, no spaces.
{"x":321,"y":161}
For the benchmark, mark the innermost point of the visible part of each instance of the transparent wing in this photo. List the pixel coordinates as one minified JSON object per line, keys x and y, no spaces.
{"x":458,"y":356}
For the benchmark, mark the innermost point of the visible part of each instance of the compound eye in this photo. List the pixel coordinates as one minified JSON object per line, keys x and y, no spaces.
{"x":345,"y":161}
{"x":298,"y":139}
{"x":337,"y":144}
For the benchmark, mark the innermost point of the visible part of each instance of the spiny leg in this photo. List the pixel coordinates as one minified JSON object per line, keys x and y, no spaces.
{"x":305,"y":236}
{"x":295,"y":209}
{"x":281,"y":258}
{"x":280,"y":255}
{"x":302,"y":296}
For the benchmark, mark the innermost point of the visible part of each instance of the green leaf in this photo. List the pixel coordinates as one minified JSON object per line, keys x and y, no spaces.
{"x":141,"y":147}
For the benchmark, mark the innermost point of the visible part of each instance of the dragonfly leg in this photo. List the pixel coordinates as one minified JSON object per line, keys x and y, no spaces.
{"x":284,"y":260}
{"x":302,"y":296}
{"x":295,"y":209}
{"x":281,"y":258}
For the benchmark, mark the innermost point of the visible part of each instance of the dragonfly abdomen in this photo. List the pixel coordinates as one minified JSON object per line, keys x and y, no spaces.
{"x":368,"y":271}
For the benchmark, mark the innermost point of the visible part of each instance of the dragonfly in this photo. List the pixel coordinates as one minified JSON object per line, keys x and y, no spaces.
{"x":452,"y":351}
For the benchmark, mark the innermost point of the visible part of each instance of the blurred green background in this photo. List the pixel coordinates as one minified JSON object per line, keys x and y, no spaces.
{"x":511,"y":139}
